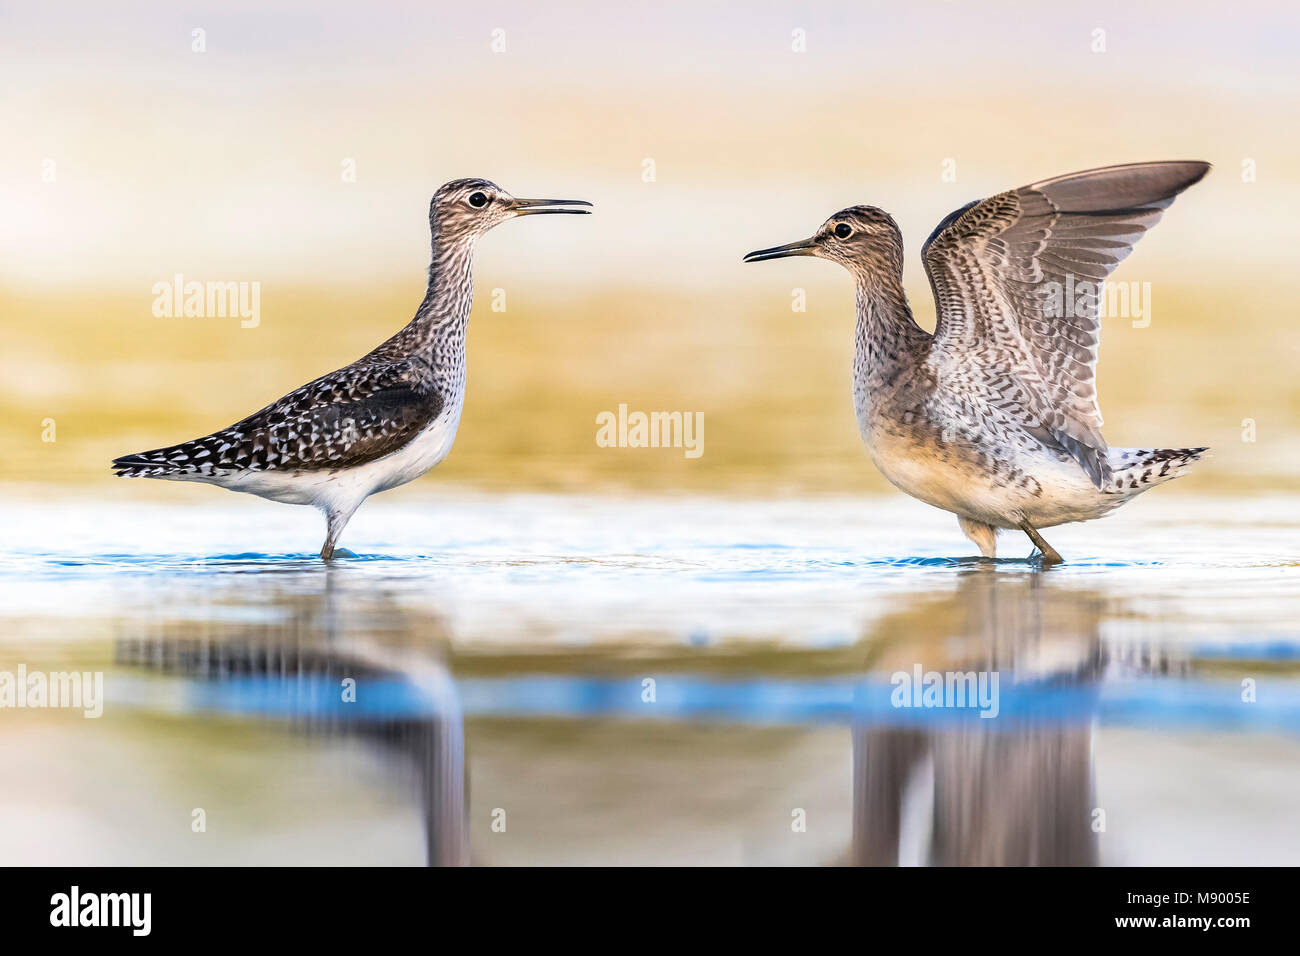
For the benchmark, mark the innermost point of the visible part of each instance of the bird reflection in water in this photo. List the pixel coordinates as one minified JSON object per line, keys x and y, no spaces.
{"x":937,"y":786}
{"x":292,"y":665}
{"x":1014,"y":790}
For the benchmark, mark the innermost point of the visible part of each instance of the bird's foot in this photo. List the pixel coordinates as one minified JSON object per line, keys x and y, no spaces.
{"x":1047,"y":555}
{"x":336,"y":520}
{"x":1045,"y":559}
{"x":329,"y":554}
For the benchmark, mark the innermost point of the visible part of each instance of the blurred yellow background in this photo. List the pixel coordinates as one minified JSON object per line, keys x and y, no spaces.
{"x":132,"y":156}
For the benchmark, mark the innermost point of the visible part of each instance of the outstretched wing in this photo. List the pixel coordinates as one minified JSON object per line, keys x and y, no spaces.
{"x":1016,"y":280}
{"x":349,"y":417}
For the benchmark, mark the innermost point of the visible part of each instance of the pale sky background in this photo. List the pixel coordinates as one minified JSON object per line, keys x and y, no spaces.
{"x":226,"y":164}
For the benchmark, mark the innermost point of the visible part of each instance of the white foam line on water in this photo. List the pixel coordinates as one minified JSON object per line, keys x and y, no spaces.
{"x":702,"y":568}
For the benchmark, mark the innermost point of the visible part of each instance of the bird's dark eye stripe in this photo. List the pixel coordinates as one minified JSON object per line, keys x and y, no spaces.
{"x":478,"y":199}
{"x":843,"y":230}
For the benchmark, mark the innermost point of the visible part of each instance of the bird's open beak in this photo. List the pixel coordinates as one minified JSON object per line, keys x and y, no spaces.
{"x":804,"y":247}
{"x":538,"y":207}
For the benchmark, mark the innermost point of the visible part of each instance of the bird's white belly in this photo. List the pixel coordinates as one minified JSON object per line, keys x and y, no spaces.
{"x":1044,"y":490}
{"x":419,"y":455}
{"x":345,"y":488}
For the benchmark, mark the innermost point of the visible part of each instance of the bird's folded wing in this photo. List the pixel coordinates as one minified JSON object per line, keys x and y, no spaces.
{"x":349,"y":417}
{"x":1016,"y":280}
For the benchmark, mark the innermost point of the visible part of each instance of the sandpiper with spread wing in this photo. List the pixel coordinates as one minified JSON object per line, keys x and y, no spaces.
{"x":380,"y":422}
{"x":994,"y":417}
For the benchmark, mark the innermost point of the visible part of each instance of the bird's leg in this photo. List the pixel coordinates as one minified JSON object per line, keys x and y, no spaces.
{"x":984,"y":535}
{"x":336,"y":520}
{"x":1050,"y":554}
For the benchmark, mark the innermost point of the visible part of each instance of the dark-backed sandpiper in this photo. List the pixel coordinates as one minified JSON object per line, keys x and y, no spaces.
{"x":994,"y":417}
{"x":380,"y":422}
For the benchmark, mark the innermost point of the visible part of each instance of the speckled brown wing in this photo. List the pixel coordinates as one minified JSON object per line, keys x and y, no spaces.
{"x":1016,"y":280}
{"x":355,"y":415}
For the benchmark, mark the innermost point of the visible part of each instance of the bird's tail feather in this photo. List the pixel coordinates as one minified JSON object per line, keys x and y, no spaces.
{"x":170,"y":462}
{"x":1136,"y":469}
{"x":138,"y":466}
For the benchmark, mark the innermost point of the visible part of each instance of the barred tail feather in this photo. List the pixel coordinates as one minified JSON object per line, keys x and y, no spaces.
{"x":1136,"y":469}
{"x":141,"y":466}
{"x":176,"y":461}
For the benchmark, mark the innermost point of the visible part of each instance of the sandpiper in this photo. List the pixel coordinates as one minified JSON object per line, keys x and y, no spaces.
{"x":380,"y":422}
{"x":994,"y":417}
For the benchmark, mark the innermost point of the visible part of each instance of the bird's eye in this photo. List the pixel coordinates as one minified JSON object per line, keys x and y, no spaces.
{"x":843,"y":230}
{"x":478,"y":200}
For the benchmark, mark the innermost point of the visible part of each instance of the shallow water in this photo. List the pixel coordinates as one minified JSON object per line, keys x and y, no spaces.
{"x":570,"y":679}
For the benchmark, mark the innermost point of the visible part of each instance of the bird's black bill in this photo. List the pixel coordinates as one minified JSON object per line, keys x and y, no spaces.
{"x":540,"y":207}
{"x":804,"y":247}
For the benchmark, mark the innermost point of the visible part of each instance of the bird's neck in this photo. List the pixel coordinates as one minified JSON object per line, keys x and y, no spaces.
{"x":437,"y":333}
{"x":444,"y":313}
{"x":888,"y":343}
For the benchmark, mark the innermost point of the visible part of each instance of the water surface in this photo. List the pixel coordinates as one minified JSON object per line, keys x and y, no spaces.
{"x":637,"y":679}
